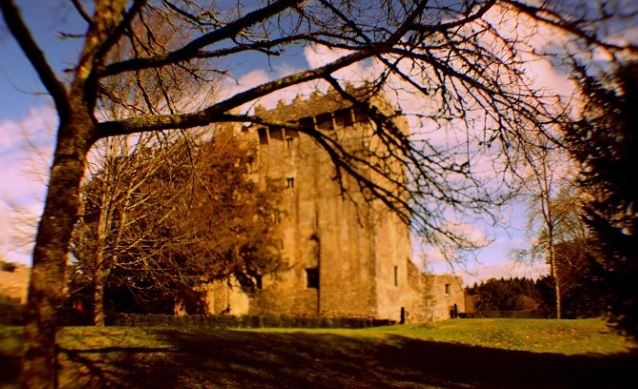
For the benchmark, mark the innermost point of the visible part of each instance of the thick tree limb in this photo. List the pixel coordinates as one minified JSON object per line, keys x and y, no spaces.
{"x":121,"y":27}
{"x":216,"y":112}
{"x":82,"y":11}
{"x":191,"y":49}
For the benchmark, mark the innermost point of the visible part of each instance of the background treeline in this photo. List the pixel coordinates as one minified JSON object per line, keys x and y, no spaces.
{"x":536,"y":297}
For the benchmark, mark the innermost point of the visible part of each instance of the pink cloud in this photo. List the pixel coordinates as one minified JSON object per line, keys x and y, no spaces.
{"x":25,"y":150}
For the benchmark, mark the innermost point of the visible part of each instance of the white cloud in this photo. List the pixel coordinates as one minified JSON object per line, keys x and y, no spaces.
{"x":510,"y":268}
{"x":25,"y":149}
{"x":474,"y":271}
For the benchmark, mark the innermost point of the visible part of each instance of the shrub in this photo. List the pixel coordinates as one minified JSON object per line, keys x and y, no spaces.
{"x":223,"y":321}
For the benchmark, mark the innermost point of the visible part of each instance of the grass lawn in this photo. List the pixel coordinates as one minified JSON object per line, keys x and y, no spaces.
{"x":469,"y":353}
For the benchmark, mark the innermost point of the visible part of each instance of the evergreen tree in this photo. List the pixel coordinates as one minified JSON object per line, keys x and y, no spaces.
{"x":605,"y":143}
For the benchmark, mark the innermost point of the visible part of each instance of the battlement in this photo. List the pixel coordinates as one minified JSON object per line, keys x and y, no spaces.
{"x":328,"y":111}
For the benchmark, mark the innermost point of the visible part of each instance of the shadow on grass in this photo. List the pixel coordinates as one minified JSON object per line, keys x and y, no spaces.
{"x":9,"y":370}
{"x":227,"y":358}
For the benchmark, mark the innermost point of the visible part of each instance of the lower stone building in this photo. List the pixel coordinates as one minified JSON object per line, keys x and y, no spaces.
{"x":14,"y":279}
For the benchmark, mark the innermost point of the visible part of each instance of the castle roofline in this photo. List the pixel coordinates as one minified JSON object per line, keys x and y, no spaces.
{"x":317,"y":103}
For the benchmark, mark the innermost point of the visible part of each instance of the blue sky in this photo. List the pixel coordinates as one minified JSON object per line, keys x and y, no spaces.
{"x":27,"y":122}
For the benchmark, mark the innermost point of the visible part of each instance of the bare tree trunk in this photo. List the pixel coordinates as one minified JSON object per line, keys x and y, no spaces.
{"x":554,"y":271}
{"x":99,"y":277}
{"x":545,"y":180}
{"x":98,"y":297}
{"x":99,"y":270}
{"x":46,"y":288}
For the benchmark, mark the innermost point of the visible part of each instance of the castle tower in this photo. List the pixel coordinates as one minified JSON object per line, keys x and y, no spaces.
{"x":347,"y":257}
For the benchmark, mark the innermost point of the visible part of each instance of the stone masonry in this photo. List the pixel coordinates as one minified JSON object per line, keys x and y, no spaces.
{"x":347,"y":257}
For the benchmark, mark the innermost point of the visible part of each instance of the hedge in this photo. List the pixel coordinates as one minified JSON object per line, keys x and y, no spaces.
{"x":223,"y":321}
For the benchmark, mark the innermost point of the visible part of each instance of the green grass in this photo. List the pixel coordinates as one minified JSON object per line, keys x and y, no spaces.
{"x":476,"y":353}
{"x":567,"y":337}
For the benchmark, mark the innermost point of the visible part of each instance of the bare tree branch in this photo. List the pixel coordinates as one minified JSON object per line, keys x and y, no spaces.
{"x":190,"y":50}
{"x":32,"y":51}
{"x":82,"y":11}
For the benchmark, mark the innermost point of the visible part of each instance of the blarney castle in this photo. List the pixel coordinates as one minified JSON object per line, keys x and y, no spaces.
{"x":347,"y":257}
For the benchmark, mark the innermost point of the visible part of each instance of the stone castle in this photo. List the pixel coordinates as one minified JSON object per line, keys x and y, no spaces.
{"x":347,"y":257}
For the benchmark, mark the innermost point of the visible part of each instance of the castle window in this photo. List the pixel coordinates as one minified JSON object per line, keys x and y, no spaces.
{"x":276,"y":133}
{"x":291,"y":133}
{"x":290,"y":182}
{"x":258,"y":282}
{"x":324,"y":122}
{"x":263,"y":136}
{"x":360,"y":116}
{"x":396,"y":276}
{"x":447,"y":289}
{"x":306,"y":123}
{"x":343,"y":118}
{"x":312,"y":278}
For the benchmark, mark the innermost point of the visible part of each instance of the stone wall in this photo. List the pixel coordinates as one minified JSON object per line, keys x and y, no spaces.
{"x":446,"y":291}
{"x":358,"y":248}
{"x":14,"y":283}
{"x":323,"y":231}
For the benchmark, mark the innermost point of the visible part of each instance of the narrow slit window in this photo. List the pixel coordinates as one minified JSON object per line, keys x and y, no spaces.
{"x":447,"y":289}
{"x":396,"y":276}
{"x":290,"y":182}
{"x":263,"y":136}
{"x":312,"y":278}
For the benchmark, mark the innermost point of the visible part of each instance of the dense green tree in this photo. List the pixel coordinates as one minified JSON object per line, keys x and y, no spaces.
{"x":605,"y":143}
{"x":583,"y":293}
{"x":511,"y":294}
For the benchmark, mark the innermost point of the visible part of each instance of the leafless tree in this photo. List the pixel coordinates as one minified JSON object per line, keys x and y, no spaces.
{"x":167,"y":220}
{"x":118,"y":171}
{"x":463,"y":58}
{"x":545,"y":177}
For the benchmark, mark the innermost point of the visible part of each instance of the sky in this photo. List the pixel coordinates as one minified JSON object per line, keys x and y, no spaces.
{"x":27,"y":124}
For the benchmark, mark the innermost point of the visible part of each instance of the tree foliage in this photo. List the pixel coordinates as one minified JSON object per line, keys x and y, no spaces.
{"x":513,"y":294}
{"x":183,"y":216}
{"x":605,"y":143}
{"x":583,"y":291}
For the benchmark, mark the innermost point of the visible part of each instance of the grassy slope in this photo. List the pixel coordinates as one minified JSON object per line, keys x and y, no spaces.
{"x":568,"y":337}
{"x":488,"y":353}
